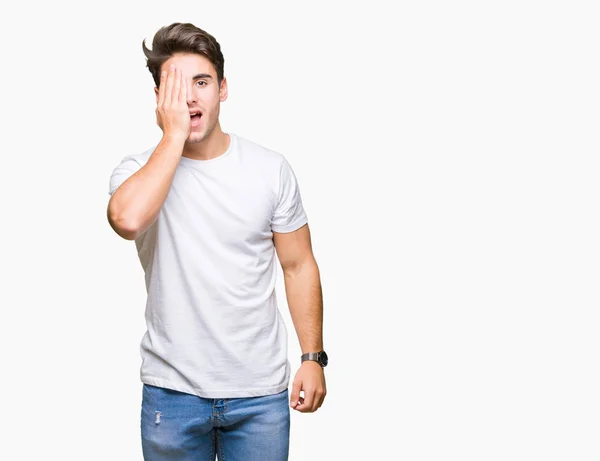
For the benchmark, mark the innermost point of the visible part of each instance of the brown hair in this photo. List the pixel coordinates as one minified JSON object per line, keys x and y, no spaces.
{"x":182,"y":38}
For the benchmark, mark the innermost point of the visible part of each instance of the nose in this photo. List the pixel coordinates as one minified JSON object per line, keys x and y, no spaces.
{"x":191,"y":97}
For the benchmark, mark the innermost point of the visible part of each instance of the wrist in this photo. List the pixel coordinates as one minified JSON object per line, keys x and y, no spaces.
{"x":311,"y":363}
{"x":319,"y":357}
{"x":175,"y":138}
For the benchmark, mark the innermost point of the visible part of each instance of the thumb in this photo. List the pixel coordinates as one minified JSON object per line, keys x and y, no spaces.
{"x":296,"y":386}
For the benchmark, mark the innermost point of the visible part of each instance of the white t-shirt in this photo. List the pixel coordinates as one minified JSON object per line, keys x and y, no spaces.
{"x":213,"y":324}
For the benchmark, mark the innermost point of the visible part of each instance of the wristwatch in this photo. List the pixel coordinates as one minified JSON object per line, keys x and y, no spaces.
{"x":320,"y":357}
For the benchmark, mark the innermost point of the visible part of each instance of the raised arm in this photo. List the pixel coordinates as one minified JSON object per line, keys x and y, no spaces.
{"x":136,"y":203}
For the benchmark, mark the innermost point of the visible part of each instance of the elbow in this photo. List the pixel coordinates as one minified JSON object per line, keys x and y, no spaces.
{"x":122,"y":225}
{"x":127,"y":234}
{"x":124,"y":229}
{"x":298,"y":267}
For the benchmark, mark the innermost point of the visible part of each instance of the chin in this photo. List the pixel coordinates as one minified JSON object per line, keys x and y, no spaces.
{"x":195,"y":138}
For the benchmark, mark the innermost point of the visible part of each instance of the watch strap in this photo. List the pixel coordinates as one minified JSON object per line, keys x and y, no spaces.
{"x":310,"y":356}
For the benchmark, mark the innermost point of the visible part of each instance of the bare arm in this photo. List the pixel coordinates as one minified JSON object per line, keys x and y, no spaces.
{"x":135,"y":205}
{"x":302,"y":286}
{"x":305,"y":300}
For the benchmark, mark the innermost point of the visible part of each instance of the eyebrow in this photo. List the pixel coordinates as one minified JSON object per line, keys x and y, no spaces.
{"x":201,"y":76}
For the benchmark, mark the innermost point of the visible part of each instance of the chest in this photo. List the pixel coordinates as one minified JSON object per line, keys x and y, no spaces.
{"x":229,"y":205}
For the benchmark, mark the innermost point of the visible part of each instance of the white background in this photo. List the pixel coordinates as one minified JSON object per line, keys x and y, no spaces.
{"x":447,"y":154}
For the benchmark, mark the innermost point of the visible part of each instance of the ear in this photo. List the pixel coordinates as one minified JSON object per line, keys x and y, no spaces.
{"x":156,"y":92}
{"x":223,"y":90}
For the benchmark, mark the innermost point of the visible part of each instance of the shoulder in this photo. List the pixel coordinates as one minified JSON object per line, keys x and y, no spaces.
{"x":258,"y":153}
{"x":127,"y":167}
{"x":140,"y":158}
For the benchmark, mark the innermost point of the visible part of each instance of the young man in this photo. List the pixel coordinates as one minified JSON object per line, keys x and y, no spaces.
{"x":209,"y":211}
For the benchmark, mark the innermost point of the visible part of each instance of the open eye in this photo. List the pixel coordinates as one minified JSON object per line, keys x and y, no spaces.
{"x":201,"y":81}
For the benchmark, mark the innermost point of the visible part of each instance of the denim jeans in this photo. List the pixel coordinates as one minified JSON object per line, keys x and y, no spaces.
{"x":177,"y":426}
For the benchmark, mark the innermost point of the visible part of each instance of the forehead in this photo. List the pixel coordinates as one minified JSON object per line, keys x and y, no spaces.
{"x":190,"y":64}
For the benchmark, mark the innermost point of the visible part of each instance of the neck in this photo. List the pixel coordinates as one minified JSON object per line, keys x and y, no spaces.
{"x":213,"y":145}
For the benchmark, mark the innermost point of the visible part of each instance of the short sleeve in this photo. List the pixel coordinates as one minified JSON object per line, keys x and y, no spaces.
{"x":122,"y":172}
{"x":289,"y":213}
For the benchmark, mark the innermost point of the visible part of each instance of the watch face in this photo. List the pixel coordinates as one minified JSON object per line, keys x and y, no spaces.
{"x":323,"y":358}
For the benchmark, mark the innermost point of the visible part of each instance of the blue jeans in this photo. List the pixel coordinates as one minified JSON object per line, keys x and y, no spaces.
{"x":177,"y":426}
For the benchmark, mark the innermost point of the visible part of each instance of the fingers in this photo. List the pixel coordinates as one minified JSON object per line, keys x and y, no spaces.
{"x":312,"y":400}
{"x":321,"y":399}
{"x":169,"y":87}
{"x":295,"y":397}
{"x":172,"y":114}
{"x":307,"y":403}
{"x":183,"y":90}
{"x":172,"y":88}
{"x":161,"y":87}
{"x":177,"y":75}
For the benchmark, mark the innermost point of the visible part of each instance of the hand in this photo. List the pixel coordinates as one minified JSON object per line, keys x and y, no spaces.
{"x":172,"y":113}
{"x":311,"y":379}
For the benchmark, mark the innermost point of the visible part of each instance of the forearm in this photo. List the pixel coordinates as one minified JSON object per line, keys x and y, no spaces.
{"x":135,"y":205}
{"x":305,"y":300}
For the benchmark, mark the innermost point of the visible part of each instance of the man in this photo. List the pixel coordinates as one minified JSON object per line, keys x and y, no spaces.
{"x":209,"y":211}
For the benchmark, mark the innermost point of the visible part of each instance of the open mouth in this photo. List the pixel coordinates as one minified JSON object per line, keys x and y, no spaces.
{"x":195,"y":118}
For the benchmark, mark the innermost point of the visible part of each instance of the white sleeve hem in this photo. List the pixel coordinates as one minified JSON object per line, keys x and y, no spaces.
{"x":290,"y":227}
